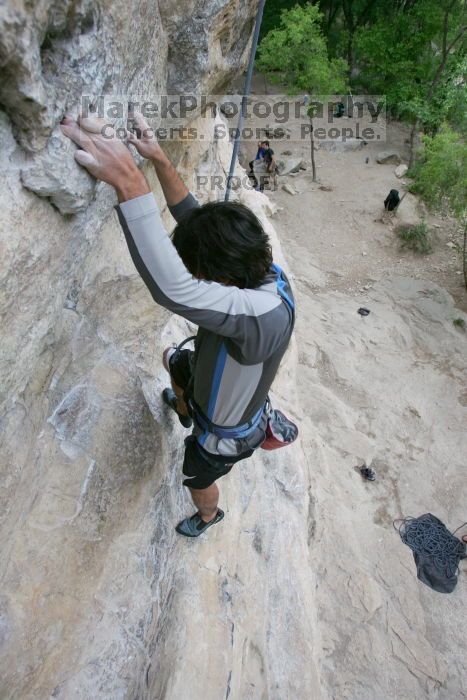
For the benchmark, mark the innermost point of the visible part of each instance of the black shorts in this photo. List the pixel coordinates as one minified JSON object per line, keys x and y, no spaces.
{"x":203,"y":468}
{"x":199,"y":466}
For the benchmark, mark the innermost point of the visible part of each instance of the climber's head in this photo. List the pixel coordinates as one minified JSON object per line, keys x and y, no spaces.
{"x":224,"y":242}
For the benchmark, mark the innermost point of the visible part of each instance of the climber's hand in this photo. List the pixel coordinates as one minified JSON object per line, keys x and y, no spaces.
{"x":142,"y":137}
{"x":105,"y":156}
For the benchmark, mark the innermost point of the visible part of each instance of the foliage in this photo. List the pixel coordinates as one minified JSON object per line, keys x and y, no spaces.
{"x":272,"y":13}
{"x":415,"y":237}
{"x":296,"y":54}
{"x":412,"y":51}
{"x":413,"y":57}
{"x":440,"y":176}
{"x":459,"y":323}
{"x":455,"y":103}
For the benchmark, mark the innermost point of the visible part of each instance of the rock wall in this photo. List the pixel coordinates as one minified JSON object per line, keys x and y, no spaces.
{"x":99,"y":597}
{"x":304,"y":591}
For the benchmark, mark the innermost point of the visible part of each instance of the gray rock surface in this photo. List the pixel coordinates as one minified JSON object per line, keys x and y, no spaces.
{"x":53,"y":54}
{"x":401,"y":170}
{"x":388,"y":157}
{"x":290,"y":165}
{"x":290,"y":189}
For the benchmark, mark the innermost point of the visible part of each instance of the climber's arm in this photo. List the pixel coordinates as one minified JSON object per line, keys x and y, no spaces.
{"x":174,"y":189}
{"x":247,"y":316}
{"x":176,"y":194}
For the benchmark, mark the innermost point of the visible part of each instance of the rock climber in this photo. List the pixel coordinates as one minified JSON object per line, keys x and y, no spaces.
{"x":217,"y":272}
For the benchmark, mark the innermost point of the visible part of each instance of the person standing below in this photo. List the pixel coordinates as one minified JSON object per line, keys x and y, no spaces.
{"x":259,"y":156}
{"x":264,"y":167}
{"x":216,"y":271}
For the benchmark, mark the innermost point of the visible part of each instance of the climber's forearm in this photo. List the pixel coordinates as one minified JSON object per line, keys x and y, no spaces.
{"x":134,"y":185}
{"x":172,"y":185}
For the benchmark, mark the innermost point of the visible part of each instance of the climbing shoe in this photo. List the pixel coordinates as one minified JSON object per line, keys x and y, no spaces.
{"x":169,"y":397}
{"x":195,"y":526}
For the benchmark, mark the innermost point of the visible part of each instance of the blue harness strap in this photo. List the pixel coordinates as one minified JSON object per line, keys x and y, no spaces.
{"x":222,"y":432}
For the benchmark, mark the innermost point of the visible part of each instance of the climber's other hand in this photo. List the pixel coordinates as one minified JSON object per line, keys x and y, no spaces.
{"x":104,"y":155}
{"x":143,"y":137}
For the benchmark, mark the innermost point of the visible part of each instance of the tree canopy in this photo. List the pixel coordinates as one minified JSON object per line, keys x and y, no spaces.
{"x":411,"y":51}
{"x":295,"y":54}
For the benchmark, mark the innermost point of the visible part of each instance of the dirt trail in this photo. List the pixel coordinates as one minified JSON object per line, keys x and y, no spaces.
{"x":342,"y":231}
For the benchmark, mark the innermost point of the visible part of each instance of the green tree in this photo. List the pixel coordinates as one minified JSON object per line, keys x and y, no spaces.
{"x":272,"y":13}
{"x":440,"y":177}
{"x":413,"y":57}
{"x":295,"y":54}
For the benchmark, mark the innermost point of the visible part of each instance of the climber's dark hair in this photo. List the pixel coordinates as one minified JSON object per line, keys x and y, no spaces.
{"x":224,"y":242}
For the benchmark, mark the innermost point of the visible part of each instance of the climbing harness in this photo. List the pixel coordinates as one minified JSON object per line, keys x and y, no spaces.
{"x":436,"y":551}
{"x":246,"y":92}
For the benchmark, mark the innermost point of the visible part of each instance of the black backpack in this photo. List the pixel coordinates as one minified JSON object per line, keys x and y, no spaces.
{"x":392,"y":200}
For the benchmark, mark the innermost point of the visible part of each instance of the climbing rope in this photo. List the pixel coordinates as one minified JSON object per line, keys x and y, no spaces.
{"x":246,"y":92}
{"x":427,"y":536}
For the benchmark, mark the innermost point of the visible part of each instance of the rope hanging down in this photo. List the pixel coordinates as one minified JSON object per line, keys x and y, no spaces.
{"x":246,"y":92}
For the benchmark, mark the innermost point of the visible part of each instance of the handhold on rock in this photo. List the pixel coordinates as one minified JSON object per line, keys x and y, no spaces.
{"x":54,"y":173}
{"x":363,"y":311}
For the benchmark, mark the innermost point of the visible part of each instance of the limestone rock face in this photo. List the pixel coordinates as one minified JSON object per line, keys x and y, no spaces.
{"x":56,"y":52}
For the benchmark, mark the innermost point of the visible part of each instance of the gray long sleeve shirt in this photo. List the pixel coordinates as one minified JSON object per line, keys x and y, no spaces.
{"x":242,"y":335}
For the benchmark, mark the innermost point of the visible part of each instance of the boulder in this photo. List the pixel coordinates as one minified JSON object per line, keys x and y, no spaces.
{"x":401,"y":170}
{"x":290,"y":165}
{"x":388,"y":157}
{"x":290,"y":189}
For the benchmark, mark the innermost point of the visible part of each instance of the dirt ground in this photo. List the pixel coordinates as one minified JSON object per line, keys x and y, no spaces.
{"x":341,"y":229}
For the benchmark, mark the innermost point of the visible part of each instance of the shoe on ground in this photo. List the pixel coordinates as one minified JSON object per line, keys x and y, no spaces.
{"x":169,"y":397}
{"x":195,"y":526}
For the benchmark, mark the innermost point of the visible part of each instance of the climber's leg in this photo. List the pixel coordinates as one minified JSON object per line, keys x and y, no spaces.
{"x":202,"y":469}
{"x":180,"y":405}
{"x":206,"y":501}
{"x":180,"y":370}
